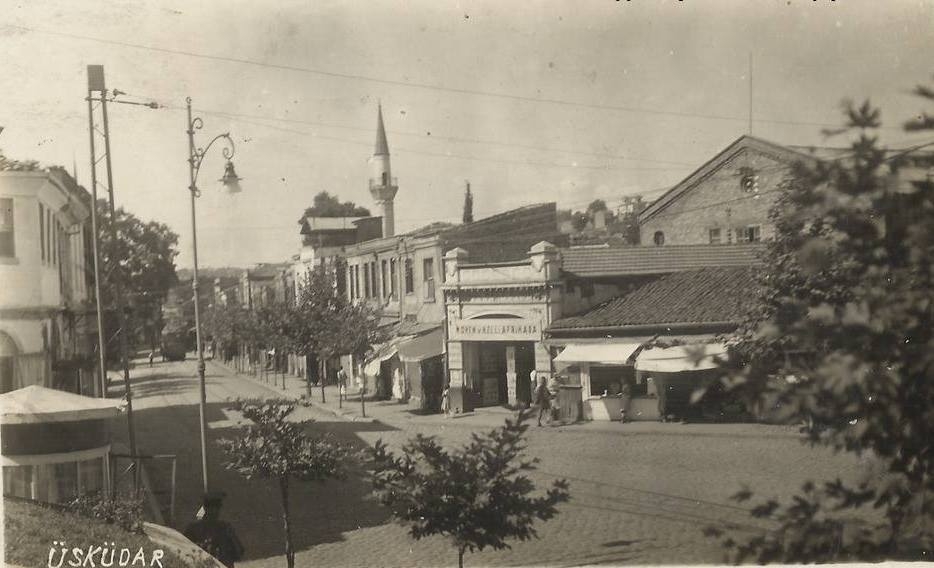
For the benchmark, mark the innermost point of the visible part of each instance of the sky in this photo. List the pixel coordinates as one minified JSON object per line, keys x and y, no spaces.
{"x":531,"y":102}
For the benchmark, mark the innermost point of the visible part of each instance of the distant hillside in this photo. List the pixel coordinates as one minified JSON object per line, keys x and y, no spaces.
{"x":209,"y":272}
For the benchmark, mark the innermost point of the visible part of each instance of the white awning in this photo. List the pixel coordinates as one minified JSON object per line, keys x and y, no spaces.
{"x":35,"y":405}
{"x":596,"y":353}
{"x":696,"y":357}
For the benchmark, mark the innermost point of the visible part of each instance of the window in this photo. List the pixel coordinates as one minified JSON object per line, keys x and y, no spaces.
{"x":714,"y":236}
{"x":366,"y":279}
{"x":659,"y":238}
{"x":750,"y":234}
{"x":409,"y":277}
{"x":385,"y":178}
{"x":42,"y":231}
{"x":392,"y":278}
{"x":384,"y":278}
{"x":355,"y":281}
{"x":7,"y":243}
{"x":350,"y":289}
{"x":373,"y":285}
{"x":428,"y":277}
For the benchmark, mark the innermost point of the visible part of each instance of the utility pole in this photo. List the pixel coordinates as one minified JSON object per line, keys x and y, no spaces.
{"x":750,"y":93}
{"x":96,"y":83}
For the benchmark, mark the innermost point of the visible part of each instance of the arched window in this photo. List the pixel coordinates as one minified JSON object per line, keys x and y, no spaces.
{"x":659,"y":238}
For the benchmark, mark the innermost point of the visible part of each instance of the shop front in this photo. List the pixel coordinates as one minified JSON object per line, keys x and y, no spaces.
{"x":496,"y":314}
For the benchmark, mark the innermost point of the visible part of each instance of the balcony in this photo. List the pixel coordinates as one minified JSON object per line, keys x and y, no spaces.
{"x":378,"y":183}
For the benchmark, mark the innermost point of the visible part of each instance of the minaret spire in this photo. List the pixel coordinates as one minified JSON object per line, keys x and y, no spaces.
{"x":382,"y":146}
{"x":383,"y":186}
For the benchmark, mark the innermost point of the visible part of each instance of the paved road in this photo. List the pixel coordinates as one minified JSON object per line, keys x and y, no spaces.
{"x":639,"y":495}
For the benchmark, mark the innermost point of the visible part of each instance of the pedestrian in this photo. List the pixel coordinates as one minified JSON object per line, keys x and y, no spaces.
{"x":213,"y":535}
{"x":445,"y":401}
{"x":625,"y":397}
{"x":533,"y":383}
{"x":342,"y":383}
{"x":542,"y":399}
{"x":152,"y":355}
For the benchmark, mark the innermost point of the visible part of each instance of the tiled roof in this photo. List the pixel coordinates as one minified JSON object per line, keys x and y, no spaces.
{"x":705,"y":296}
{"x":633,"y":260}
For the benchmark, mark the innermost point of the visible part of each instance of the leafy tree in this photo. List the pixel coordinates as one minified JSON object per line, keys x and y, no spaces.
{"x":327,"y":205}
{"x":477,"y":496}
{"x":9,"y":164}
{"x":275,"y":447}
{"x":844,"y":340}
{"x":143,"y":257}
{"x":596,"y":205}
{"x":328,"y":325}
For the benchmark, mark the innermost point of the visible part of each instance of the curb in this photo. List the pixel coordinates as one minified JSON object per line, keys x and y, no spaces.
{"x":346,"y":416}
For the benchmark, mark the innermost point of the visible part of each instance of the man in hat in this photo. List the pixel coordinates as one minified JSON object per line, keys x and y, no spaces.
{"x":213,"y":535}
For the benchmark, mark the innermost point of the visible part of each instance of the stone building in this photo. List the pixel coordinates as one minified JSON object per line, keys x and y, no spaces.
{"x":48,"y":331}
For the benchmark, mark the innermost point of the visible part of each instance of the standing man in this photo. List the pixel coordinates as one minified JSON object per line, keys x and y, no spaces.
{"x":342,"y":383}
{"x":213,"y":535}
{"x":542,"y":399}
{"x":152,"y":355}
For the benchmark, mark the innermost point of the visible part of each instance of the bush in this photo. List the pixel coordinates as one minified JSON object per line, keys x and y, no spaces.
{"x":125,"y":511}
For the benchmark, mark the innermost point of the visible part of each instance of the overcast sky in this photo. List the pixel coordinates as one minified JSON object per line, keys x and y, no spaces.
{"x":531,"y":101}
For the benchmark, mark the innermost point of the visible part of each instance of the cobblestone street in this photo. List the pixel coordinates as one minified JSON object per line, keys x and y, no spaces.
{"x":640,"y":493}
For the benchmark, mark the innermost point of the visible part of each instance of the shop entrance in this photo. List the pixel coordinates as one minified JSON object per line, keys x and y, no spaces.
{"x":495,"y":360}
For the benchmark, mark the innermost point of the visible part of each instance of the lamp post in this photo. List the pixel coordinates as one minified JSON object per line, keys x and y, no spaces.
{"x":232,"y":183}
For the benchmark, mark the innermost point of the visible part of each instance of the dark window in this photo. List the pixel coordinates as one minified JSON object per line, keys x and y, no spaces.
{"x":659,"y":238}
{"x":373,"y":279}
{"x":384,"y":277}
{"x":409,"y":277}
{"x":748,"y":179}
{"x":42,"y":230}
{"x":350,"y":281}
{"x":428,"y":277}
{"x":714,"y":236}
{"x":7,"y":243}
{"x":750,"y":234}
{"x":385,"y":178}
{"x":392,"y":278}
{"x":366,"y":280}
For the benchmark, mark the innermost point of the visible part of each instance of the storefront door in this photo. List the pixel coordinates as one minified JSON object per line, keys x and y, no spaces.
{"x":492,"y":387}
{"x":525,"y":363}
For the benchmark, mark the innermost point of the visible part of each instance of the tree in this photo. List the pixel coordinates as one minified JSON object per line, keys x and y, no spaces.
{"x":842,"y":340}
{"x":9,"y":164}
{"x":328,"y":325}
{"x":327,"y":205}
{"x":143,"y":257}
{"x":477,"y":496}
{"x":275,"y":447}
{"x":468,"y":206}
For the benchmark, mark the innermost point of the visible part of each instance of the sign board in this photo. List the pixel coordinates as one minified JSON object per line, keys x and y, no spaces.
{"x":490,"y":329}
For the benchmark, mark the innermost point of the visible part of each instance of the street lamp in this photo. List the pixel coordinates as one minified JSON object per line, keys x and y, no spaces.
{"x":232,"y":183}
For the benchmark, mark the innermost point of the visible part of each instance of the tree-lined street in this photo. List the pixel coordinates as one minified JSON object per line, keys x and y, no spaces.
{"x":639,"y":494}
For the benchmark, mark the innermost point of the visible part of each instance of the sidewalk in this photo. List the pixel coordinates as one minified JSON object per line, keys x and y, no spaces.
{"x":395,"y":413}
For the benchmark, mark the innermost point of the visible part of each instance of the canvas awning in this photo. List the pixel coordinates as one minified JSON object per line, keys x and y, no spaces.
{"x":422,"y":347}
{"x":37,"y":405}
{"x":596,"y":353}
{"x":696,"y":357}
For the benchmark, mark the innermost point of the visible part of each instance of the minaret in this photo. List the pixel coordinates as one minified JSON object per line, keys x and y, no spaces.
{"x":383,"y":186}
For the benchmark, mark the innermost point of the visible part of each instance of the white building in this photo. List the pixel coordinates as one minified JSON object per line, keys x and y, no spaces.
{"x":47,"y":323}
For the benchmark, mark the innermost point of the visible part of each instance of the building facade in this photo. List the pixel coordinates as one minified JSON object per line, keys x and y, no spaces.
{"x":47,"y":322}
{"x":727,"y":200}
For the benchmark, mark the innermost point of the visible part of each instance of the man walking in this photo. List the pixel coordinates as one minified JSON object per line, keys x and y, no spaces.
{"x":542,"y":399}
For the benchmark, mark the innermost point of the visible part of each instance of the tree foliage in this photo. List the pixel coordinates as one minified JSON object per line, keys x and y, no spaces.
{"x":327,"y":205}
{"x":143,"y":257}
{"x":477,"y":496}
{"x":843,"y":340}
{"x":278,"y":448}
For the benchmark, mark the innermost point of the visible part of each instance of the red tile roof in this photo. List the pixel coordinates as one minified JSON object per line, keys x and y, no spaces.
{"x":705,"y":296}
{"x":632,"y":260}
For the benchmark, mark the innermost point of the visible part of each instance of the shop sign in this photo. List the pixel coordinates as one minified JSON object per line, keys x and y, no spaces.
{"x":512,"y":329}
